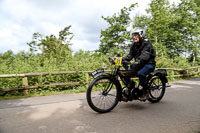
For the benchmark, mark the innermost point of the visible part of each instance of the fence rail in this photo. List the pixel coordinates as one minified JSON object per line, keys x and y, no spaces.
{"x":25,"y":85}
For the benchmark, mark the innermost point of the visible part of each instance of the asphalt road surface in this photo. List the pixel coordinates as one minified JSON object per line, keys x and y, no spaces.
{"x":178,"y":112}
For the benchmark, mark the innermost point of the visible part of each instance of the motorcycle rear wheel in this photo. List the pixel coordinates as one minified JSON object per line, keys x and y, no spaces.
{"x":99,"y":98}
{"x":156,"y":90}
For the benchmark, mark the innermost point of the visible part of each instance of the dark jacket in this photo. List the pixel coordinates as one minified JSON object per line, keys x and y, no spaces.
{"x":143,"y":53}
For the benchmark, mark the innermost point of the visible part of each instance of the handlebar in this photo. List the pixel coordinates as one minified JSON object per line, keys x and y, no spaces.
{"x":118,"y":61}
{"x":126,"y":62}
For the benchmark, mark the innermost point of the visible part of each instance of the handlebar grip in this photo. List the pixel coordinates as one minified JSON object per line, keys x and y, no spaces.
{"x":126,"y":62}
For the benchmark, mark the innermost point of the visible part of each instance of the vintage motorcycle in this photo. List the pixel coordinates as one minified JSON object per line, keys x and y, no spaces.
{"x":107,"y":89}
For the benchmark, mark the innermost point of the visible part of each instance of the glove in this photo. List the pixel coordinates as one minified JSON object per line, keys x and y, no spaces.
{"x":124,"y":58}
{"x":134,"y":66}
{"x":125,"y":62}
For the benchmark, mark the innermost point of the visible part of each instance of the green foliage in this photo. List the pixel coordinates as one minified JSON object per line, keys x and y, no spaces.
{"x":115,"y":38}
{"x":80,"y":61}
{"x":177,"y":62}
{"x":31,"y":63}
{"x":197,"y":2}
{"x":188,"y":17}
{"x":173,"y":30}
{"x":51,"y":46}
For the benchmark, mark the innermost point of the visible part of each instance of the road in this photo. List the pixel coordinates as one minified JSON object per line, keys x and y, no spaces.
{"x":178,"y":112}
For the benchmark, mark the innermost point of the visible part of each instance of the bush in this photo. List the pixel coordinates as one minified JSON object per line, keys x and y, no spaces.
{"x":80,"y":61}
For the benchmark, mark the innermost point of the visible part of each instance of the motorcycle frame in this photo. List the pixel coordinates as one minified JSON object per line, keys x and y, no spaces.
{"x":116,"y":74}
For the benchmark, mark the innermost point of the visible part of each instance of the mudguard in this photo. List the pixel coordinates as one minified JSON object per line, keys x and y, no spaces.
{"x":97,"y":73}
{"x":161,"y":73}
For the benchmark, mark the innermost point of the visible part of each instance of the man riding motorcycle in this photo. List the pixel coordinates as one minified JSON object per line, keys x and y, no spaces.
{"x":143,"y":52}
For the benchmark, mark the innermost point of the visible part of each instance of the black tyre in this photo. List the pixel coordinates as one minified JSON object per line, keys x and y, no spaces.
{"x":102,"y":94}
{"x":156,"y":90}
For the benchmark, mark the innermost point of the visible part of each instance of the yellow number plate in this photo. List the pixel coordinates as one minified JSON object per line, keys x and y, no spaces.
{"x":118,"y":61}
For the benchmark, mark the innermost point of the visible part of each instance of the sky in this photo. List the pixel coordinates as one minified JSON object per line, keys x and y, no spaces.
{"x":19,"y":19}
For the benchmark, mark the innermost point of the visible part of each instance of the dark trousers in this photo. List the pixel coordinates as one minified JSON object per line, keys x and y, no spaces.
{"x":142,"y":73}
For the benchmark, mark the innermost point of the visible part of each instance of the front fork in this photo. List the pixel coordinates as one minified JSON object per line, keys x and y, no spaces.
{"x":115,"y":80}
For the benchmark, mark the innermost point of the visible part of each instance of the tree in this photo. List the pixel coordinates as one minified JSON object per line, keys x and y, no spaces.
{"x":51,"y":46}
{"x":189,"y":26}
{"x":173,"y":29}
{"x":158,"y":27}
{"x":157,"y":24}
{"x":197,"y":2}
{"x":115,"y":38}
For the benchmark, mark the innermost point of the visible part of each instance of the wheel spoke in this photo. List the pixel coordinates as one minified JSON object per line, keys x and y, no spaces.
{"x":107,"y":102}
{"x":102,"y":103}
{"x":99,"y":101}
{"x":111,"y":95}
{"x":110,"y":101}
{"x":156,"y":88}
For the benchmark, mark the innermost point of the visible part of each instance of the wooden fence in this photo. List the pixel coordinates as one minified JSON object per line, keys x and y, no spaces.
{"x":25,"y":84}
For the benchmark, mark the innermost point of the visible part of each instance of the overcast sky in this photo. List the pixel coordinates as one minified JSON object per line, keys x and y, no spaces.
{"x":19,"y":19}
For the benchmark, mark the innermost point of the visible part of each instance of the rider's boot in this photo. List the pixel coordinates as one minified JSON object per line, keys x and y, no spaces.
{"x":145,"y":95}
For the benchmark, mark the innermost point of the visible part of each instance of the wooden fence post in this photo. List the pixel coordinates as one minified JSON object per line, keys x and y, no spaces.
{"x":187,"y":73}
{"x":25,"y":84}
{"x":87,"y":79}
{"x":173,"y":74}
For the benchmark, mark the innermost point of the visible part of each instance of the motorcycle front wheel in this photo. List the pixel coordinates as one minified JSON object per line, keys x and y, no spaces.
{"x":102,"y":94}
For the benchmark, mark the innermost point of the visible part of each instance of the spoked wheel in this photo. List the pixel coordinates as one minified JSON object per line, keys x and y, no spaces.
{"x":156,"y":90}
{"x":102,"y":95}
